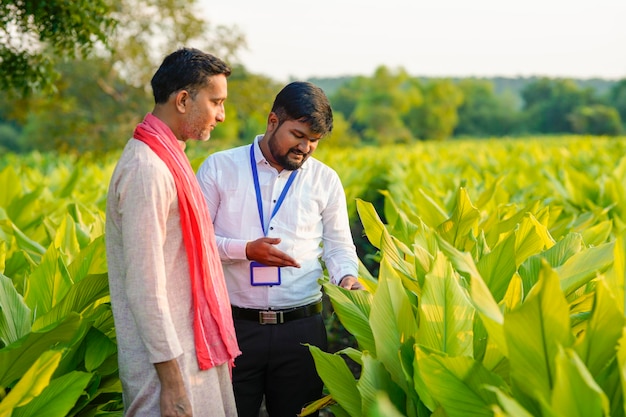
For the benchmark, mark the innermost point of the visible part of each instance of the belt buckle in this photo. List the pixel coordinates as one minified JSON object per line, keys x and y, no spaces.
{"x":270,"y":317}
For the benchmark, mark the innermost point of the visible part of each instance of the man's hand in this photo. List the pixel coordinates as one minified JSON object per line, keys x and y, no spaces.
{"x":263,"y":250}
{"x":350,"y":282}
{"x":174,"y":400}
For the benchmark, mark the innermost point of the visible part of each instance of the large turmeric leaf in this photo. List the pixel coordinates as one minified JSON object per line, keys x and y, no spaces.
{"x":446,"y":314}
{"x":392,"y":320}
{"x":575,"y":393}
{"x":338,"y":379}
{"x":535,"y":332}
{"x":353,"y":309}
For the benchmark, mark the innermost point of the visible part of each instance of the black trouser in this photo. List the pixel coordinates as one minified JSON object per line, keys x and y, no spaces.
{"x":274,"y":364}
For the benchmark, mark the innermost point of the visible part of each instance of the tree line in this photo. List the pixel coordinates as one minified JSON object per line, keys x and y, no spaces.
{"x":92,"y":98}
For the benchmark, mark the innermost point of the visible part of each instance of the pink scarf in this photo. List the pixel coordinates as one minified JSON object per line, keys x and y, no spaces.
{"x":214,"y":333}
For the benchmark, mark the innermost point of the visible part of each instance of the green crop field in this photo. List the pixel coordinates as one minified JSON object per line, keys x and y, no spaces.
{"x":494,"y":271}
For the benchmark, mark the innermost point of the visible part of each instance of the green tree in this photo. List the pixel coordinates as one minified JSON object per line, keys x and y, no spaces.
{"x":438,"y":116}
{"x":617,"y":98}
{"x":548,"y":104}
{"x":386,"y":98}
{"x":251,"y":97}
{"x":483,"y":113}
{"x":93,"y":110}
{"x":346,"y":98}
{"x":149,"y":29}
{"x":36,"y":35}
{"x":101,"y":97}
{"x":342,"y":135}
{"x":597,"y":119}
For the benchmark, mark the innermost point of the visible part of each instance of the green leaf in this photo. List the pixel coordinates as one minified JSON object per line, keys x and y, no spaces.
{"x":432,"y":212}
{"x":535,"y":331}
{"x":458,"y":384}
{"x":383,"y":407}
{"x":65,"y":239}
{"x":446,"y":315}
{"x":598,"y":234}
{"x":98,"y":349}
{"x":555,"y":256}
{"x":338,"y":379}
{"x":498,"y":266}
{"x":353,"y":309}
{"x":372,"y":224}
{"x":58,"y":398}
{"x":510,"y":406}
{"x":531,"y":237}
{"x":576,"y":394}
{"x":463,"y":220}
{"x":603,"y":330}
{"x":392,"y":321}
{"x":32,"y":382}
{"x":80,"y":296}
{"x":47,"y":284}
{"x":17,"y":357}
{"x":621,"y":360}
{"x":11,"y":186}
{"x":585,"y":265}
{"x":90,"y":260}
{"x":615,"y":275}
{"x":32,"y":248}
{"x":374,"y":379}
{"x":14,"y":313}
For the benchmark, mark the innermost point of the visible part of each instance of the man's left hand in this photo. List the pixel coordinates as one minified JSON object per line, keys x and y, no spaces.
{"x":350,"y":282}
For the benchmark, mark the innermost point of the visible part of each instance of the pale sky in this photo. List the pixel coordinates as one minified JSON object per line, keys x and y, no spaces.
{"x":329,"y":38}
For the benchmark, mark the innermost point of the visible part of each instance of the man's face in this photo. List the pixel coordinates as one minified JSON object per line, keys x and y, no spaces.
{"x":291,"y":143}
{"x":206,"y":110}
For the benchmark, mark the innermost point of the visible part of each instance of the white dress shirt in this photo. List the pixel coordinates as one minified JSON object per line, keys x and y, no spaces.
{"x":312,"y":223}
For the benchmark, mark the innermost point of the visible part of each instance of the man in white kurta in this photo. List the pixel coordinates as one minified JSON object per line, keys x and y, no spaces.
{"x":164,"y":320}
{"x":175,"y":337}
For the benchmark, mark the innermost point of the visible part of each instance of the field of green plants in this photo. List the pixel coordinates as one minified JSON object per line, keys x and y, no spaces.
{"x":495,"y":274}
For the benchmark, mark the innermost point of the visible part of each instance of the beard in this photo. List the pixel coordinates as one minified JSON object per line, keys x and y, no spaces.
{"x":283,"y":159}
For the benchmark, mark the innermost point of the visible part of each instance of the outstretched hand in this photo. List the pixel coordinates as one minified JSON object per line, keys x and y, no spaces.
{"x":264,"y":250}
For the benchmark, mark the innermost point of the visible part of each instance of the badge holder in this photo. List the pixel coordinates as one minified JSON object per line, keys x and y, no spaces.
{"x":261,"y":274}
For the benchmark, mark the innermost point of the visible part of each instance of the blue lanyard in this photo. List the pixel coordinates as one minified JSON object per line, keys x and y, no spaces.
{"x":257,"y":189}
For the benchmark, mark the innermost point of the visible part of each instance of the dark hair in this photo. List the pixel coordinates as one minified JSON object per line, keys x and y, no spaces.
{"x":306,"y":103}
{"x":185,"y":69}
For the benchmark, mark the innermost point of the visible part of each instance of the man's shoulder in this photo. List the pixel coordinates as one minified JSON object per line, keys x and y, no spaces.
{"x":229,"y":154}
{"x":138,"y":156}
{"x":318,"y":166}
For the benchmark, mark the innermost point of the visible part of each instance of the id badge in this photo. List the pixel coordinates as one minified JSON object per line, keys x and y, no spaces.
{"x":261,"y":274}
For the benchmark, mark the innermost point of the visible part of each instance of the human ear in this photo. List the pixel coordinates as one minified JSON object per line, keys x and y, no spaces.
{"x":181,"y":100}
{"x":272,"y":121}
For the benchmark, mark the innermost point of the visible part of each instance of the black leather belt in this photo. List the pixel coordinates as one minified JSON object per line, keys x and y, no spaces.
{"x":277,"y":316}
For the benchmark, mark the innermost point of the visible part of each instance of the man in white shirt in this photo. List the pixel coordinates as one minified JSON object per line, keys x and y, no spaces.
{"x":276,"y":212}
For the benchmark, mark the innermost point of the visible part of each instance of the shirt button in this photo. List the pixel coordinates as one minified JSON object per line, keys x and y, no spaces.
{"x":271,"y":228}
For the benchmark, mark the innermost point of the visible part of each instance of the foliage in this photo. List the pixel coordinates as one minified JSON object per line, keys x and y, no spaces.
{"x":548,"y":104}
{"x":617,"y":98}
{"x":510,"y":303}
{"x":100,"y":96}
{"x":597,"y":119}
{"x":499,"y":269}
{"x":483,"y":113}
{"x":57,"y":340}
{"x":36,"y":35}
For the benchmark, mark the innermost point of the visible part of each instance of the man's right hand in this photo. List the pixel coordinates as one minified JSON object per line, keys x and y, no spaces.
{"x":174,"y":400}
{"x":263,"y":250}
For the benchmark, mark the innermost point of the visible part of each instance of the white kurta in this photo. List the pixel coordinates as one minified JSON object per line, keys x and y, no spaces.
{"x":151,"y":289}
